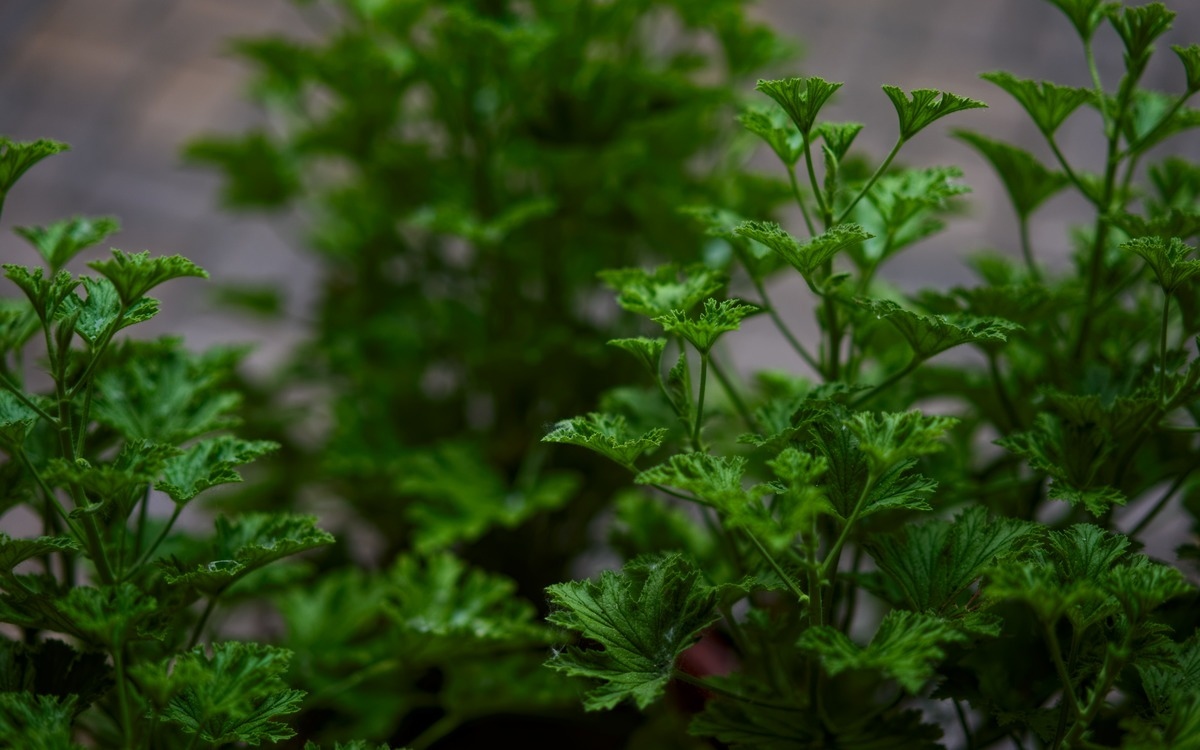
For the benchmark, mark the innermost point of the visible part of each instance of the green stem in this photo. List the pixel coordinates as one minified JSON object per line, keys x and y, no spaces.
{"x":730,"y":694}
{"x":826,"y":211}
{"x":12,"y":388}
{"x":158,"y":540}
{"x":783,"y":329}
{"x":779,"y":571}
{"x":1069,"y":703}
{"x":734,"y":397}
{"x":888,"y":382}
{"x":1133,"y":148}
{"x":700,"y":400}
{"x":122,"y":695}
{"x":208,"y":610}
{"x":1062,"y":162}
{"x":1162,"y":502}
{"x":1027,"y":248}
{"x":966,"y":726}
{"x":194,"y":741}
{"x":829,"y":567}
{"x":1006,"y":402}
{"x":808,"y":222}
{"x":871,"y":182}
{"x":436,"y":731}
{"x":1162,"y":348}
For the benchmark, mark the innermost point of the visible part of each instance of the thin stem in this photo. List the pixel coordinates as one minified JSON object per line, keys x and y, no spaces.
{"x":734,"y":397}
{"x":1027,"y":248}
{"x":1006,"y":402}
{"x":812,"y":231}
{"x":826,"y":211}
{"x":1162,"y":502}
{"x":436,"y":731}
{"x":700,"y":400}
{"x":829,"y":567}
{"x":158,"y":540}
{"x":871,"y":182}
{"x":12,"y":388}
{"x":783,"y":329}
{"x":122,"y":695}
{"x":966,"y":726}
{"x":779,"y":571}
{"x":1162,"y":348}
{"x":1069,"y":701}
{"x":888,"y":382}
{"x":208,"y":610}
{"x":1133,"y":148}
{"x":730,"y":694}
{"x":1062,"y":162}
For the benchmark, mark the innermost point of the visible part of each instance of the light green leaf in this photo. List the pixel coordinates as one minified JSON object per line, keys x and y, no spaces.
{"x":209,"y":463}
{"x":923,"y":106}
{"x":810,"y":257}
{"x":45,"y":294}
{"x":135,"y":274}
{"x":1027,"y":182}
{"x":773,"y":127}
{"x":717,"y":480}
{"x":892,"y":438}
{"x":99,"y":315}
{"x":838,"y":136}
{"x":1048,"y":104}
{"x":458,"y":496}
{"x":61,"y":241}
{"x":716,"y":318}
{"x":667,"y":288}
{"x":647,"y":351}
{"x":442,"y":610}
{"x":16,"y":157}
{"x":932,"y":334}
{"x":640,"y":619}
{"x":606,"y":434}
{"x":935,"y":562}
{"x":907,"y":204}
{"x":907,"y":647}
{"x":801,"y":98}
{"x":241,"y":545}
{"x":1170,"y":259}
{"x":1153,"y":117}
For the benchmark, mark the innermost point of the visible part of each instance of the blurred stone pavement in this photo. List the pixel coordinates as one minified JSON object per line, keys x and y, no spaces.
{"x":127,"y":82}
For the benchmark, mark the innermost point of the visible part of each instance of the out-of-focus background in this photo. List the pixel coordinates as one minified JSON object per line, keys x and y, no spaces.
{"x":128,"y":82}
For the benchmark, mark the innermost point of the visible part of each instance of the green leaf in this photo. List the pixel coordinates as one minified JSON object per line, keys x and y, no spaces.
{"x":640,"y":619}
{"x":667,"y":288}
{"x":717,"y":480}
{"x":135,"y":274}
{"x":242,"y":545}
{"x":892,"y":438}
{"x":716,"y":318}
{"x":16,"y":420}
{"x":1027,"y":182}
{"x":16,"y":157}
{"x":1048,"y":104}
{"x":232,"y":695}
{"x":13,"y":552}
{"x":1085,"y":15}
{"x":110,"y":617}
{"x":1138,"y":27}
{"x":608,"y":435}
{"x":906,"y":205}
{"x":1164,"y":683}
{"x":121,"y":482}
{"x":773,"y":127}
{"x":1190,"y":57}
{"x":1153,"y":117}
{"x":934,"y":563}
{"x":838,"y":136}
{"x":161,"y":392}
{"x":923,"y":106}
{"x":932,"y":334}
{"x":1170,"y":259}
{"x":647,"y":351}
{"x":459,"y":497}
{"x":45,"y":294}
{"x":649,"y":524}
{"x":209,"y":463}
{"x":1097,"y":500}
{"x":907,"y":647}
{"x":807,"y":258}
{"x":61,"y":241}
{"x":442,"y":610}
{"x":258,"y":173}
{"x":36,"y":722}
{"x":1143,"y":585}
{"x":801,"y":98}
{"x":99,"y":315}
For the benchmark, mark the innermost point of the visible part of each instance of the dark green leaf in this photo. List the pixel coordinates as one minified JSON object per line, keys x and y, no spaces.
{"x":111,"y":616}
{"x":99,"y":315}
{"x":1085,"y":15}
{"x":36,"y":722}
{"x":13,"y":552}
{"x":641,"y":619}
{"x":16,"y":157}
{"x":1170,"y":259}
{"x":716,"y":480}
{"x":773,"y":127}
{"x":923,"y":106}
{"x":892,"y":438}
{"x":838,"y":136}
{"x":647,"y":351}
{"x":45,"y":294}
{"x":1138,"y":27}
{"x":1190,"y":57}
{"x":931,"y":334}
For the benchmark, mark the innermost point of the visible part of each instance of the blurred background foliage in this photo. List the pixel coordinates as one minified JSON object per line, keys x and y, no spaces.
{"x":465,"y":169}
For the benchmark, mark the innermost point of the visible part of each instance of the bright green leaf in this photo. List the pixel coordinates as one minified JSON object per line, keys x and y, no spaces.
{"x":773,"y":127}
{"x":99,"y":315}
{"x":892,"y":438}
{"x":809,"y":257}
{"x":716,"y":318}
{"x":45,"y":294}
{"x":647,"y":351}
{"x":1027,"y":182}
{"x":16,"y":157}
{"x":838,"y":136}
{"x":1048,"y":104}
{"x":1085,"y":15}
{"x":716,"y":480}
{"x":668,"y":288}
{"x":209,"y":463}
{"x":608,"y":435}
{"x":1138,"y":27}
{"x":61,"y":241}
{"x":1170,"y":259}
{"x":135,"y":274}
{"x":36,"y":722}
{"x":931,"y":334}
{"x":923,"y":106}
{"x":801,"y":98}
